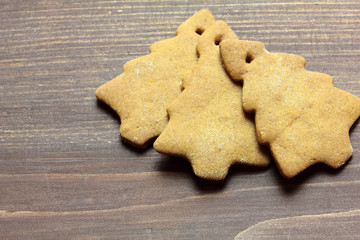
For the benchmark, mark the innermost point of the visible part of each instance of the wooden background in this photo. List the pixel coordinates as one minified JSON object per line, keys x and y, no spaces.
{"x":66,"y":174}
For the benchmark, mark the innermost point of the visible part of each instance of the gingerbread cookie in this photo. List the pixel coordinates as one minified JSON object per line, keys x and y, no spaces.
{"x":148,"y":84}
{"x":299,"y":114}
{"x":207,"y":124}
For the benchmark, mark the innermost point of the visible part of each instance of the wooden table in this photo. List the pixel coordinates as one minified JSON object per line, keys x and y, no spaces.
{"x":66,"y":174}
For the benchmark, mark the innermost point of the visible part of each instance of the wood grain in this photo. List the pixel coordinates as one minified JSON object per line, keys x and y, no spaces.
{"x":66,"y":174}
{"x":343,"y":225}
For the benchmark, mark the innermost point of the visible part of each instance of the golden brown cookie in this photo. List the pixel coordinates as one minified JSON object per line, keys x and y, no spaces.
{"x":207,"y":124}
{"x":148,"y":84}
{"x":300,"y":114}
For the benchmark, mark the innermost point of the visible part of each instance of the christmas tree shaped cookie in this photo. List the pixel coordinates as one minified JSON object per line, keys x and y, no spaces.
{"x":207,"y":123}
{"x":148,"y":84}
{"x":299,"y":114}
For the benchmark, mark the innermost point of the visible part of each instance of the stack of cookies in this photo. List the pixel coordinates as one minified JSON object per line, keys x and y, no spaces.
{"x":217,"y":101}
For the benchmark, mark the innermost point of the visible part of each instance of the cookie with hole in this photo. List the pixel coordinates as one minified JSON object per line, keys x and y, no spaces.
{"x":299,"y":114}
{"x":207,"y":123}
{"x":149,"y":83}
